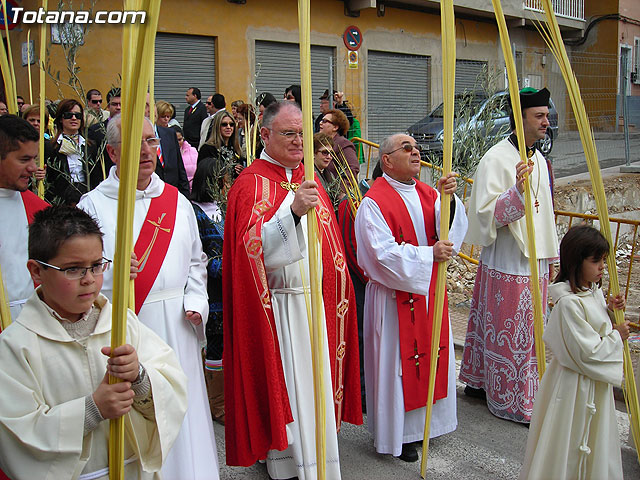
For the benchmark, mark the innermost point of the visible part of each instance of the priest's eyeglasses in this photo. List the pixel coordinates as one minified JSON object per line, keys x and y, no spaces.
{"x":76,"y":273}
{"x":407,"y":147}
{"x":291,"y":135}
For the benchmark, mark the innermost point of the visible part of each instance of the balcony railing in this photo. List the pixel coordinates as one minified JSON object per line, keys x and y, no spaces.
{"x":573,"y":9}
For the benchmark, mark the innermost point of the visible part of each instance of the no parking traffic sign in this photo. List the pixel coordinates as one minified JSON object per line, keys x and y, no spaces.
{"x":352,"y":38}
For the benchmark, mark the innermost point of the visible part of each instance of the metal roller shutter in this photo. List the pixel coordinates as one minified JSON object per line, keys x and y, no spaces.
{"x":469,"y":75}
{"x":278,"y":66}
{"x":397,"y":92}
{"x":183,"y":61}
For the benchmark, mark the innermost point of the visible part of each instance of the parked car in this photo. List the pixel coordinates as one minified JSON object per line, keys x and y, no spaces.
{"x":429,"y":131}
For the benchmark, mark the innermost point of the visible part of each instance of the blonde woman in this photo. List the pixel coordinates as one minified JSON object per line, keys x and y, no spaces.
{"x":223,"y":143}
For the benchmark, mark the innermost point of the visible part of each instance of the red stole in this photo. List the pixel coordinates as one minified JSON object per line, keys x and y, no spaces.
{"x":32,"y":204}
{"x":153,"y":241}
{"x":415,"y":322}
{"x":256,"y":397}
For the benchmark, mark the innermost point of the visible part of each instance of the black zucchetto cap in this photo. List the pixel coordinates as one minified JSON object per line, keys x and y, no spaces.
{"x":530,"y":97}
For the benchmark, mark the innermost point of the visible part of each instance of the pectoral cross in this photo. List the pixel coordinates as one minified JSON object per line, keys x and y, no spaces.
{"x":292,"y":187}
{"x":416,"y":357}
{"x":145,"y":256}
{"x":537,"y":204}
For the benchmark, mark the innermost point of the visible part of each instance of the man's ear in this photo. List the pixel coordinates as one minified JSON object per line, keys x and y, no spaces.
{"x":386,"y":162}
{"x":35,"y":270}
{"x":264,"y":134}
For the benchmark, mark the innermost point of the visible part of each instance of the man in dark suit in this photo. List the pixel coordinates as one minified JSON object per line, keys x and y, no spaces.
{"x":170,"y":166}
{"x":97,"y":140}
{"x":194,"y":115}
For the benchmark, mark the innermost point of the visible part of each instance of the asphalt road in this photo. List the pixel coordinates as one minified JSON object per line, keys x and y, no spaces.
{"x":483,"y":447}
{"x":567,"y":155}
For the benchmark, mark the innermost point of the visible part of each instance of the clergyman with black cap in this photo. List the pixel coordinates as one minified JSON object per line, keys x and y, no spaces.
{"x":499,"y":360}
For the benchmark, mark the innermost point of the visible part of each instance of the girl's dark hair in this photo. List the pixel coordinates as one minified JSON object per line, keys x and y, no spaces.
{"x":205,"y":175}
{"x":54,"y":225}
{"x":578,"y":244}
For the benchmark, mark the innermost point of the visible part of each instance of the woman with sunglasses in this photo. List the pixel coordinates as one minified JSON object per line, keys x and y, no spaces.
{"x":223,"y":143}
{"x":335,"y":124}
{"x":68,"y":175}
{"x":322,"y":150}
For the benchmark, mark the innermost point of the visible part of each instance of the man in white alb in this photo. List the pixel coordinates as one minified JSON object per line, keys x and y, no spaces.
{"x":398,"y":248}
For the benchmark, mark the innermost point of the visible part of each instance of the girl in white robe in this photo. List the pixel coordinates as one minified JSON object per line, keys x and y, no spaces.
{"x":573,"y":431}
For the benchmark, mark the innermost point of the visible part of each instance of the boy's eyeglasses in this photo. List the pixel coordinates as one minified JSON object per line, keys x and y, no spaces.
{"x":76,"y":273}
{"x":69,"y":115}
{"x":96,"y":102}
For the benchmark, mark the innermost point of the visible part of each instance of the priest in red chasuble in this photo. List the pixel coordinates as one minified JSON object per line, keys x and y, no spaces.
{"x":170,"y":288}
{"x":398,"y":248}
{"x":267,"y":350}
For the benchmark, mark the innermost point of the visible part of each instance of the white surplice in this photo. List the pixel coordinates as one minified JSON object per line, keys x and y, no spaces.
{"x":574,"y":431}
{"x":286,"y":259}
{"x":46,"y":375}
{"x":392,"y":267}
{"x":14,"y":235}
{"x":179,"y":286}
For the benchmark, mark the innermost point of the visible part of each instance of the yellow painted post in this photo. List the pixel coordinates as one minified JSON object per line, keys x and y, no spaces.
{"x":554,"y":40}
{"x":29,"y":66}
{"x":448,"y":35}
{"x":138,"y":41}
{"x":317,"y":324}
{"x":534,"y":282}
{"x":41,"y":73}
{"x":6,"y":64}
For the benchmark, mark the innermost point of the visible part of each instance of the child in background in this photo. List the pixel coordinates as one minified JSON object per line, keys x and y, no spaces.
{"x":574,"y":432}
{"x":55,"y":362}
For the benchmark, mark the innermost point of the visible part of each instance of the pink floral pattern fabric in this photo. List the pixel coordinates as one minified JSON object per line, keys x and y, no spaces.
{"x":499,"y":351}
{"x":509,"y":207}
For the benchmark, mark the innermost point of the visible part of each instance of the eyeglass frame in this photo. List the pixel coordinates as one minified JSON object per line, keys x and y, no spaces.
{"x":324,"y":120}
{"x":69,"y":115}
{"x":104,"y":265}
{"x":289,"y":134}
{"x":156,"y":140}
{"x":324,"y":151}
{"x":404,"y":146}
{"x":233,"y":124}
{"x":96,"y":101}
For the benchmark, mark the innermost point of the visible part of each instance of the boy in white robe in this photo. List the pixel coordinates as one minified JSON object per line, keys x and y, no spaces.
{"x":56,"y":362}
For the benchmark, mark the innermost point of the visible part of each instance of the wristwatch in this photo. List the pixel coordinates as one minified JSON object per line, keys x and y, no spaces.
{"x":141,"y":375}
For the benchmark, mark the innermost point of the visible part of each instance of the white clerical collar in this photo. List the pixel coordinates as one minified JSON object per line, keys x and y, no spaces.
{"x":400,"y":185}
{"x":265,"y":156}
{"x":7,"y":192}
{"x":111,"y":186}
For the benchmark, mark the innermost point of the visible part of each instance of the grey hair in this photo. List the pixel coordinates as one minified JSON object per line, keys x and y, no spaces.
{"x":274,"y":109}
{"x":113,"y":129}
{"x":386,"y":145}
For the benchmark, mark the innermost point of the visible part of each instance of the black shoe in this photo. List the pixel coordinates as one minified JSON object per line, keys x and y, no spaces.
{"x":475,"y":392}
{"x":409,"y":453}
